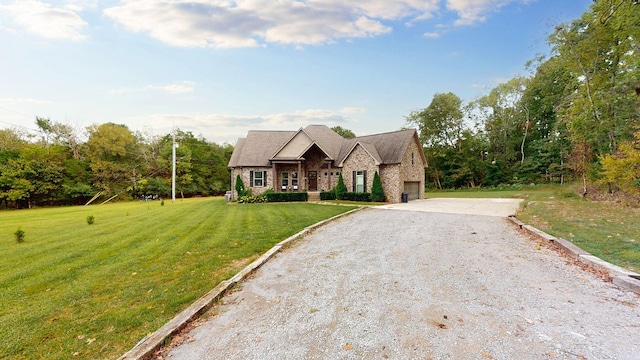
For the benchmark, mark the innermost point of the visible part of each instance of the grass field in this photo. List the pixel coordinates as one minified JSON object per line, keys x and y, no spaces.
{"x":93,"y":291}
{"x":605,"y":229}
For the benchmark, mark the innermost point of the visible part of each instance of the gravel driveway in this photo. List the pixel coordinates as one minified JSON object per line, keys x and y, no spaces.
{"x":419,"y":285}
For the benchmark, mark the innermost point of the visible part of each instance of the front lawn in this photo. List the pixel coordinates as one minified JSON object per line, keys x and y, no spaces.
{"x":605,"y":229}
{"x":93,"y":291}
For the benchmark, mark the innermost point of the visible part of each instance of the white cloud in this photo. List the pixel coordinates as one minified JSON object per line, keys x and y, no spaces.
{"x":45,"y":20}
{"x":242,"y":23}
{"x":184,"y":87}
{"x":474,"y":11}
{"x":353,"y":110}
{"x":432,"y":35}
{"x":246,"y":23}
{"x":228,"y":128}
{"x":175,"y":88}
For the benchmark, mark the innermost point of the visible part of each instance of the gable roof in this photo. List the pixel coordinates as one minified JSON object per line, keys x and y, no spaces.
{"x":390,"y":146}
{"x":304,"y":139}
{"x":259,"y":148}
{"x":369,"y":148}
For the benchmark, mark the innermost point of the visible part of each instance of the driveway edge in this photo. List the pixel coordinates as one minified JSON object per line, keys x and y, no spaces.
{"x":150,"y":344}
{"x":621,"y":277}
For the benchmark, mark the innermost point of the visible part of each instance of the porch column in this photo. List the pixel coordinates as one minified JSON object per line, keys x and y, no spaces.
{"x":275,"y":186}
{"x":329,"y":175}
{"x":300,"y":177}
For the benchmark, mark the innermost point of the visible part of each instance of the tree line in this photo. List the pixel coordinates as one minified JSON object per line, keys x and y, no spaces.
{"x":57,"y":167}
{"x":576,"y":118}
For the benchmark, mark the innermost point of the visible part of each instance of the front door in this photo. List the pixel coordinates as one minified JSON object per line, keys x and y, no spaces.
{"x":313,"y":181}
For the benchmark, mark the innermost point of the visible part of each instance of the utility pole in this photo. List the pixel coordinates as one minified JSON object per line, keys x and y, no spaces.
{"x":173,"y":167}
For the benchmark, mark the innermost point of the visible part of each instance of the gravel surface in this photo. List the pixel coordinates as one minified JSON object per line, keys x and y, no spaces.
{"x":416,"y":285}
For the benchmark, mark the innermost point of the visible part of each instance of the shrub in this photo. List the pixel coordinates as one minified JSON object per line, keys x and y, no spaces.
{"x":162,"y":203}
{"x":252,"y":199}
{"x":356,"y":196}
{"x":240,"y":187}
{"x":328,"y":195}
{"x":286,"y":196}
{"x":341,"y":188}
{"x":90,"y":219}
{"x":377,"y":192}
{"x":19,"y":234}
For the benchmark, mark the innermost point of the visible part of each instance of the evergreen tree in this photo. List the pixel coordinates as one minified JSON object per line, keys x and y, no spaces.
{"x":240,"y":186}
{"x":377,"y":192}
{"x":341,"y":188}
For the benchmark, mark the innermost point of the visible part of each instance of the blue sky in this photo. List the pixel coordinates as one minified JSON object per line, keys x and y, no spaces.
{"x":219,"y":68}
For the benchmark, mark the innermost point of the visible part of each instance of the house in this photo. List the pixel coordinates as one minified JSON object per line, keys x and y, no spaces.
{"x":312,"y":158}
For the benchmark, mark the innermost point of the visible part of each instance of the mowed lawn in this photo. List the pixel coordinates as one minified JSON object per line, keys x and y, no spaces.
{"x":74,"y":290}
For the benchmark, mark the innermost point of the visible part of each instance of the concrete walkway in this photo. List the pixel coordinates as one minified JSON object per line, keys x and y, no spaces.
{"x":421,"y":284}
{"x":488,"y":207}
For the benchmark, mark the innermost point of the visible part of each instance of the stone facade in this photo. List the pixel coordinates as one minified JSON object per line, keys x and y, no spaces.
{"x":391,"y":183}
{"x":412,"y":167}
{"x":318,"y":155}
{"x":359,"y":160}
{"x":289,"y":169}
{"x":393,"y":176}
{"x":245,"y":175}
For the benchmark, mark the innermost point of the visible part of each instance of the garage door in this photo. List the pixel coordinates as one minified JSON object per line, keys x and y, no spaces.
{"x":413,"y":189}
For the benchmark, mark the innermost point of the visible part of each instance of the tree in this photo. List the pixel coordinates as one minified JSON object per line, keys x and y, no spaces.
{"x":600,"y":51}
{"x":377,"y":191}
{"x":55,"y":133}
{"x":345,"y":133}
{"x":14,"y":185}
{"x":507,"y":120}
{"x":441,"y":125}
{"x":548,"y":144}
{"x":240,"y":186}
{"x":11,"y":141}
{"x":623,"y":168}
{"x":341,"y":188}
{"x":201,"y":167}
{"x":57,"y":168}
{"x":111,"y":153}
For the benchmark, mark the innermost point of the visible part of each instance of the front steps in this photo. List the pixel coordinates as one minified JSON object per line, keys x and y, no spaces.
{"x":313,"y":196}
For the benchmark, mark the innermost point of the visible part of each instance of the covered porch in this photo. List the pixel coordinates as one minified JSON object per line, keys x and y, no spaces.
{"x":310,"y":172}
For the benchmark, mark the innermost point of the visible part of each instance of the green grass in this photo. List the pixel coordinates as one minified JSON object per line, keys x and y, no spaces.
{"x":93,"y":291}
{"x":605,"y":229}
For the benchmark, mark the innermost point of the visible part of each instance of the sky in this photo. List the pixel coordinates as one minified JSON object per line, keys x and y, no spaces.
{"x":219,"y":68}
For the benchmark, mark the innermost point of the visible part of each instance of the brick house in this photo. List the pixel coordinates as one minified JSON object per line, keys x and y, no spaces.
{"x":312,"y":158}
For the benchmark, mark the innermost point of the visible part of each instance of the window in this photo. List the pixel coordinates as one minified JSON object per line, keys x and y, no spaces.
{"x":411,"y":158}
{"x":285,"y":180}
{"x":294,"y":180}
{"x":258,"y":178}
{"x":359,"y":182}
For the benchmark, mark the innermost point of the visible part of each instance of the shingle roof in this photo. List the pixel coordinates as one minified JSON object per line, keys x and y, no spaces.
{"x":326,"y":138}
{"x":391,"y":146}
{"x":259,"y":146}
{"x":237,"y":150}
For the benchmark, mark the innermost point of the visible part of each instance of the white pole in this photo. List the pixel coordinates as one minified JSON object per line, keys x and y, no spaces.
{"x":173,"y":168}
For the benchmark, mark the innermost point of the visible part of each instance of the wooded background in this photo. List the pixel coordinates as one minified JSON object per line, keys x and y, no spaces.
{"x":575,"y":117}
